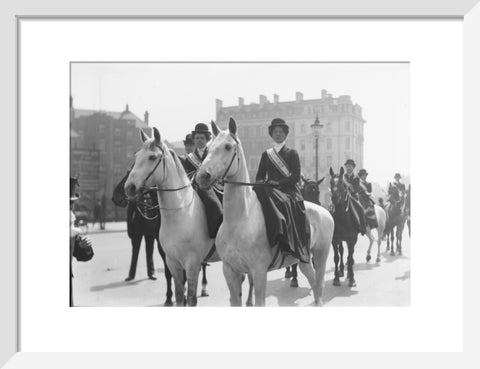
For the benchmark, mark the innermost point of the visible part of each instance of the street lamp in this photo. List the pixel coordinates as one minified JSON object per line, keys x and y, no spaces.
{"x":316,"y":128}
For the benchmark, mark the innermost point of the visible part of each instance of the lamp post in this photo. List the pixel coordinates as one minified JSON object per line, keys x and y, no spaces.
{"x":316,"y":128}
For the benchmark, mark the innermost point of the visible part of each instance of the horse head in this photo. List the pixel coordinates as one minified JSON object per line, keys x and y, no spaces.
{"x":338,"y":187}
{"x":143,"y":173}
{"x":222,"y":161}
{"x":311,"y":189}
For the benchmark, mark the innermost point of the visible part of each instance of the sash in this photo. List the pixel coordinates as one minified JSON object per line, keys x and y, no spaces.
{"x":278,"y":162}
{"x":194,"y":160}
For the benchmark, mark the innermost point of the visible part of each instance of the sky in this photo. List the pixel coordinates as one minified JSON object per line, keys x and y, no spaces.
{"x":179,"y":95}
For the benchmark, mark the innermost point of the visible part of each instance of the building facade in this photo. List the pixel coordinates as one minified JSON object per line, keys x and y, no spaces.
{"x":341,"y":136}
{"x":102,"y":148}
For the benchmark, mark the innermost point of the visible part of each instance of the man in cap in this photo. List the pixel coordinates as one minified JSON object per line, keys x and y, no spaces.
{"x":282,"y":202}
{"x":211,"y":198}
{"x":366,"y":199}
{"x":352,"y":180}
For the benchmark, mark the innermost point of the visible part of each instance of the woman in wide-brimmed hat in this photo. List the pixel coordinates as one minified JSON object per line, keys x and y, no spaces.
{"x":280,"y":167}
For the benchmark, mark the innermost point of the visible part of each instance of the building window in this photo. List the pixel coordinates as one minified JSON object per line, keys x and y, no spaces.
{"x":347,"y":143}
{"x":348,"y":126}
{"x":329,"y":143}
{"x":302,"y":144}
{"x":303,"y":163}
{"x":302,"y":128}
{"x":329,"y":160}
{"x":329,"y":127}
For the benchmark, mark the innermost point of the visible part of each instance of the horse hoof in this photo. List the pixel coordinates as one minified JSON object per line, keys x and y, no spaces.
{"x":249,"y":303}
{"x":352,"y":283}
{"x":378,"y":260}
{"x":204,"y":294}
{"x":336,"y":282}
{"x":288,"y":274}
{"x":341,"y":273}
{"x":392,"y":253}
{"x":400,"y":253}
{"x":294,"y":283}
{"x":168,"y":303}
{"x":368,"y":258}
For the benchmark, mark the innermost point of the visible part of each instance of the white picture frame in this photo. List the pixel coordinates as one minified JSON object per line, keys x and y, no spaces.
{"x":9,"y":283}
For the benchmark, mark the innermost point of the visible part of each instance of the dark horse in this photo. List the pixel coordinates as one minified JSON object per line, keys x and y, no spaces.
{"x":345,"y":229}
{"x":396,"y":217}
{"x":407,"y":209}
{"x":310,"y":192}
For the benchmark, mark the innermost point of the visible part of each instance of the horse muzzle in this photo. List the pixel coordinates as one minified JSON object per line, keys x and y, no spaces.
{"x":205,"y":179}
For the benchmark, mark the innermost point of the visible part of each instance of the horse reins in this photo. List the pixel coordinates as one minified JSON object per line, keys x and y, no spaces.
{"x":157,"y":189}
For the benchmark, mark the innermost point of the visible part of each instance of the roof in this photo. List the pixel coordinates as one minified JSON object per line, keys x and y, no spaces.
{"x":127,"y":115}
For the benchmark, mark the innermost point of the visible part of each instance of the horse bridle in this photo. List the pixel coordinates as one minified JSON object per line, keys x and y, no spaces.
{"x":158,"y":189}
{"x":222,"y":180}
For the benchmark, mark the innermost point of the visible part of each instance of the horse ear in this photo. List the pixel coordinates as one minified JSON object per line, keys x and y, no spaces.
{"x":232,"y":126}
{"x":320,"y":181}
{"x":143,"y":136}
{"x":156,"y":134}
{"x":332,"y":174}
{"x":215,"y":129}
{"x":341,"y":172}
{"x":303,"y":179}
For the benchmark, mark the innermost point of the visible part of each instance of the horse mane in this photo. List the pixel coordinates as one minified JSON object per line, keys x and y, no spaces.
{"x":171,"y":154}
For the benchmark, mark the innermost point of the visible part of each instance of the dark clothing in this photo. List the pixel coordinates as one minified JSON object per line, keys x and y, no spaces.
{"x":365,"y":197}
{"x":353,"y":183}
{"x":283,"y":206}
{"x":211,"y":198}
{"x":143,"y":220}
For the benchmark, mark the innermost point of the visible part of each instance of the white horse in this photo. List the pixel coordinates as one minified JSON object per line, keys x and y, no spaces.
{"x":381,"y":219}
{"x":183,"y":231}
{"x":242,"y":238}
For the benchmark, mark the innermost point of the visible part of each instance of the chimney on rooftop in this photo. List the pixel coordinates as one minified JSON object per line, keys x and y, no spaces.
{"x":146,"y":115}
{"x":241,"y":101}
{"x":263,"y":100}
{"x":298,"y":97}
{"x":126,"y":108}
{"x":276,"y":98}
{"x":218,"y":105}
{"x":324,"y":94}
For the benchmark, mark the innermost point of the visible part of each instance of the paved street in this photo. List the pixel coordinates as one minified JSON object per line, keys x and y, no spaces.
{"x":100,"y":282}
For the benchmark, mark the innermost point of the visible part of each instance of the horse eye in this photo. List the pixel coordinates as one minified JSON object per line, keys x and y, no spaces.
{"x":228,"y":146}
{"x":152,"y":157}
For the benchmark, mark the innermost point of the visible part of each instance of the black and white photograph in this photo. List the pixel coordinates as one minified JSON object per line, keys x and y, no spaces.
{"x":216,"y":184}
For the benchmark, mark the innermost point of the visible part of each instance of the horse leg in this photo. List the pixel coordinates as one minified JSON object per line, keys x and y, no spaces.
{"x":350,"y":262}
{"x":370,"y":239}
{"x":342,"y":266}
{"x":178,"y":279}
{"x":288,"y":273}
{"x":168,"y":276}
{"x":136,"y":242}
{"x":379,"y":244}
{"x":336,"y":259}
{"x":307,"y":271}
{"x":294,"y":282}
{"x":234,"y":282}
{"x":392,"y":239}
{"x":250,"y":291}
{"x":193,"y":272}
{"x":399,"y":239}
{"x":320,"y":257}
{"x":260,"y":286}
{"x":204,"y":280}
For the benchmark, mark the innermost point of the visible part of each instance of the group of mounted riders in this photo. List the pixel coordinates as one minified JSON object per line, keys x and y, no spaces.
{"x":277,"y":187}
{"x":278,"y":178}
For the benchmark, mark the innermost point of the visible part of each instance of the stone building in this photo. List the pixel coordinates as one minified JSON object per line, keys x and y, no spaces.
{"x":102,"y":149}
{"x":341,"y":137}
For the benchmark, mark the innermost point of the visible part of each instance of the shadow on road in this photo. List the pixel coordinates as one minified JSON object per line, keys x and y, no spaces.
{"x":119,"y":284}
{"x":286,"y":295}
{"x":392,"y":258}
{"x":330,"y":291}
{"x":403,"y":277}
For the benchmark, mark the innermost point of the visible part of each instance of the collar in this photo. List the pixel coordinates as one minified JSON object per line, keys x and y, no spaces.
{"x":201,"y":151}
{"x":278,"y":146}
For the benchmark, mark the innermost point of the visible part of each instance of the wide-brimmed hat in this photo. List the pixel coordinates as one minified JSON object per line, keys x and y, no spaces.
{"x":202,"y":128}
{"x":397,"y":175}
{"x":73,"y":187}
{"x":361,"y":172}
{"x":350,"y":162}
{"x":278,"y":122}
{"x":188,"y":140}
